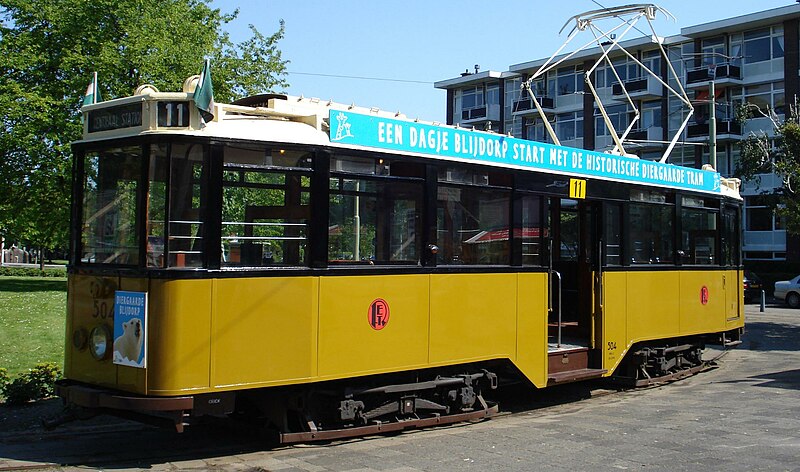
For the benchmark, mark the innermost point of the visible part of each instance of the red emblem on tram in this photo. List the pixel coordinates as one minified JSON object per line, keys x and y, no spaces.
{"x":704,"y":295}
{"x":378,"y":315}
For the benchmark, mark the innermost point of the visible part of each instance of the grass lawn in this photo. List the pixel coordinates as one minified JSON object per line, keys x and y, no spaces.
{"x":32,"y":314}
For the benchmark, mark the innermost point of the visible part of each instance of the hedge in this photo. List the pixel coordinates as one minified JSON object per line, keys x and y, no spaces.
{"x":32,"y":272}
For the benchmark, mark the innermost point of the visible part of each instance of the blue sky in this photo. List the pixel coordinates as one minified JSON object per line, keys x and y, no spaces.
{"x":410,"y":44}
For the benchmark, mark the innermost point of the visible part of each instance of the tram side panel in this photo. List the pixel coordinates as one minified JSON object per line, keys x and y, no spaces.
{"x":372,"y":324}
{"x":653,"y":305}
{"x":614,"y":319}
{"x":531,"y":349}
{"x":644,"y":306}
{"x":473,"y":317}
{"x":263,"y":331}
{"x":703,"y":301}
{"x":178,"y":334}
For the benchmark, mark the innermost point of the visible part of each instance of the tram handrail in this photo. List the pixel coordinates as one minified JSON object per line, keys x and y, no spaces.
{"x":557,"y":274}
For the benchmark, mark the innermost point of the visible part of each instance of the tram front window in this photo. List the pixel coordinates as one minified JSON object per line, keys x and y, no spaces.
{"x":109,"y":234}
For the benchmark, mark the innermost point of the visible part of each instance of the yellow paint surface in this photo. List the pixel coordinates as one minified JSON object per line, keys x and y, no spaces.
{"x":91,"y":304}
{"x":473,"y":317}
{"x":348,"y":345}
{"x":531,"y":358}
{"x":178,"y":330}
{"x":264,"y":330}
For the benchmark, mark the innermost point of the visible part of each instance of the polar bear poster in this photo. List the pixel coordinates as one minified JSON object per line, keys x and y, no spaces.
{"x":130,"y":328}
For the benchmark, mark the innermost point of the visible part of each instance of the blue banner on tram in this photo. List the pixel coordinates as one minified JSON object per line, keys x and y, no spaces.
{"x":407,"y":136}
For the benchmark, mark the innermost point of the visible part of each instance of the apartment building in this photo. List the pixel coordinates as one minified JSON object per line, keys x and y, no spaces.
{"x":751,"y":58}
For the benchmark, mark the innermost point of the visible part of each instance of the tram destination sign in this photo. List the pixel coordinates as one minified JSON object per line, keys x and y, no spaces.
{"x":123,"y":116}
{"x":446,"y":142}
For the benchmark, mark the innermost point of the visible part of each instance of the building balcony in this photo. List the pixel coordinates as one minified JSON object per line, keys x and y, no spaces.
{"x":525,"y":107}
{"x":726,"y":131}
{"x":650,"y":138}
{"x":645,"y":88}
{"x":723,"y":75}
{"x":765,"y":241}
{"x":481,"y":115}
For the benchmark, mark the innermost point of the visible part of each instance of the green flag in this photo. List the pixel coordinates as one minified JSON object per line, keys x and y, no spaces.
{"x":204,"y":94}
{"x":92,"y":92}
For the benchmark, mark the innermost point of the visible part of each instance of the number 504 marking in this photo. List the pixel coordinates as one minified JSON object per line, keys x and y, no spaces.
{"x":577,"y":188}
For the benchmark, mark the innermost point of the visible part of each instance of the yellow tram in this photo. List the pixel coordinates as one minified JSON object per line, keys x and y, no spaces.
{"x":324,"y":267}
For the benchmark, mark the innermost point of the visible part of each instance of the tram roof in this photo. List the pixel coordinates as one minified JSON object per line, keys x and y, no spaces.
{"x":310,"y":121}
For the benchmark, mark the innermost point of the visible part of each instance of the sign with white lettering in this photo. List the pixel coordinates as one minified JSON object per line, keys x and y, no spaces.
{"x":124,"y":116}
{"x":130,"y":323}
{"x":455,"y":143}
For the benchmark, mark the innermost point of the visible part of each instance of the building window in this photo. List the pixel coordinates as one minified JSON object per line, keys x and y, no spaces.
{"x":765,"y":97}
{"x":513,"y":94}
{"x":760,"y":214}
{"x":569,"y":80}
{"x":569,"y":126}
{"x":758,"y":45}
{"x":618,"y":114}
{"x":472,"y":98}
{"x":535,"y":131}
{"x":651,"y":114}
{"x":652,"y":60}
{"x":714,"y":51}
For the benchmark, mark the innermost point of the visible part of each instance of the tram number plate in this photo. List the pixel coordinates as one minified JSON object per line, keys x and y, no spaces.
{"x":577,"y":188}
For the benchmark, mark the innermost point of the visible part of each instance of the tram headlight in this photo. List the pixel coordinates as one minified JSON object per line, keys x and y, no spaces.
{"x":100,"y":342}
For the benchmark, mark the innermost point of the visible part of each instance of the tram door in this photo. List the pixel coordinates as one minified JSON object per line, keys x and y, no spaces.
{"x":575,"y":247}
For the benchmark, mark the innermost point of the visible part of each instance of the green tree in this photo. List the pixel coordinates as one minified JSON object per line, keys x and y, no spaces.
{"x":48,"y":52}
{"x":777,"y":152}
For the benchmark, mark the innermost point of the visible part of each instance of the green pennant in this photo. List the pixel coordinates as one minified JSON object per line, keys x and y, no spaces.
{"x":204,"y":94}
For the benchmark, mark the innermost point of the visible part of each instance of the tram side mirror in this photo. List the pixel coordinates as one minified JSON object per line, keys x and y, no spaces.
{"x":434,"y":249}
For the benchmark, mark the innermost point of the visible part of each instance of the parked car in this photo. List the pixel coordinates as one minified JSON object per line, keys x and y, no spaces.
{"x":789,"y":291}
{"x":752,"y":286}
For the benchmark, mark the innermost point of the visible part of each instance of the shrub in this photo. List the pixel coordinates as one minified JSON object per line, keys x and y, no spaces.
{"x":3,"y":379}
{"x":36,"y":384}
{"x":32,"y":272}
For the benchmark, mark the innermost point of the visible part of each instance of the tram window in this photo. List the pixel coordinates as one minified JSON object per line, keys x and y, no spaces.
{"x":651,"y":233}
{"x":531,"y":231}
{"x":109,"y":234}
{"x":460,"y":175}
{"x":568,"y":228}
{"x":374,"y":221}
{"x":156,"y":206}
{"x":730,"y":237}
{"x":473,"y":225}
{"x":266,"y":156}
{"x":187,"y":202}
{"x":265,"y":211}
{"x":611,"y":234}
{"x":699,"y":236}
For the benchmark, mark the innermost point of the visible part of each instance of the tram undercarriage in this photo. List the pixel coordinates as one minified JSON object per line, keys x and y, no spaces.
{"x":334,"y":410}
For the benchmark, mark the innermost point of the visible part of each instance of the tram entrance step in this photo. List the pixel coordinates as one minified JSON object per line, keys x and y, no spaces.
{"x":562,"y":360}
{"x":574,"y":375}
